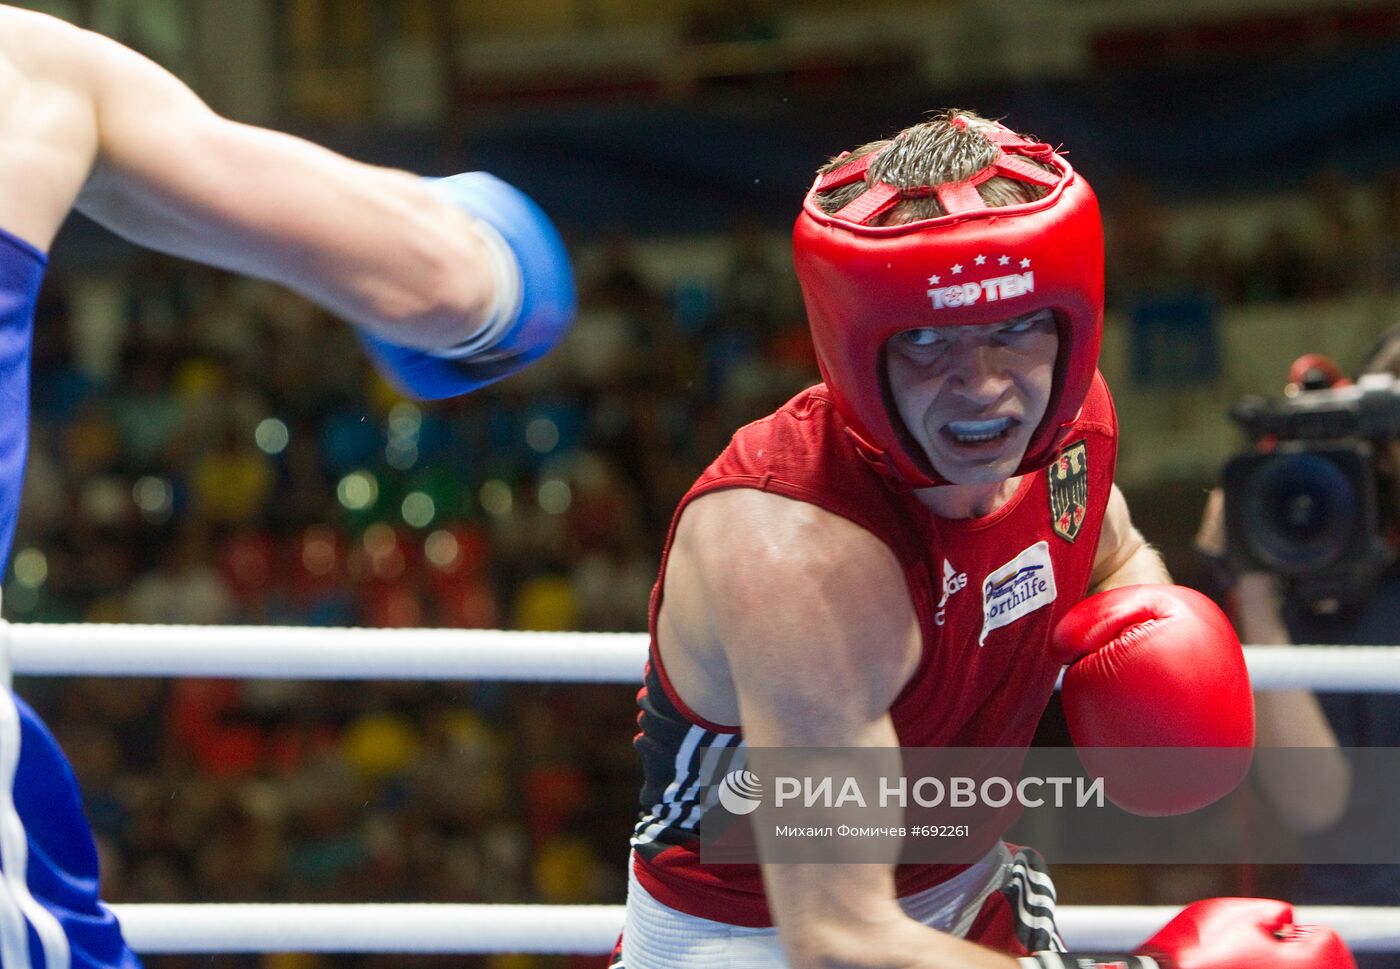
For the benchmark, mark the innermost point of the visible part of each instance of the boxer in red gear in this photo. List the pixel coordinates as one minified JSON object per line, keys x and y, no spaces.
{"x":882,"y":562}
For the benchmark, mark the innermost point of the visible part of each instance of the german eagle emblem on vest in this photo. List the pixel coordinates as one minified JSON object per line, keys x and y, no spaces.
{"x":1068,"y":478}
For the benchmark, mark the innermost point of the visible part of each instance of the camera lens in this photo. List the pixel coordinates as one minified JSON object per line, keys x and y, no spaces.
{"x":1301,"y":512}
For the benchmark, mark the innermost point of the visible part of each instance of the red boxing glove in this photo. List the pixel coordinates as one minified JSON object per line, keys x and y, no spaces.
{"x":1157,"y":666}
{"x":1245,"y":933}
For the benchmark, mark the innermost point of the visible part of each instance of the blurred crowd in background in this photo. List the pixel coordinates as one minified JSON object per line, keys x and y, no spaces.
{"x":242,"y":464}
{"x":1333,"y":237}
{"x":207,"y":449}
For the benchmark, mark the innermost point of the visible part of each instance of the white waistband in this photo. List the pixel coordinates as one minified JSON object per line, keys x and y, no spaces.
{"x":655,"y":936}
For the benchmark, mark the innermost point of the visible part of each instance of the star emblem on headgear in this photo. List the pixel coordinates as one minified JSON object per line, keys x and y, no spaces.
{"x":1003,"y":260}
{"x":934,"y":280}
{"x":980,"y":260}
{"x":957,"y":268}
{"x":1025,"y":264}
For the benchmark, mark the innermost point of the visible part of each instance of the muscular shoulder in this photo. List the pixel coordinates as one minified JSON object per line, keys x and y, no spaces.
{"x":748,"y":532}
{"x":48,"y":130}
{"x":798,"y":597}
{"x":57,"y":60}
{"x":38,"y":47}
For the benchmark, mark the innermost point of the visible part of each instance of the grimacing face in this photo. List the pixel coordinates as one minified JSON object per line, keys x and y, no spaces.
{"x":972,"y":396}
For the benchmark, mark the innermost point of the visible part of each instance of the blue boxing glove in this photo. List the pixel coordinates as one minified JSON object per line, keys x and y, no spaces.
{"x":535,"y":296}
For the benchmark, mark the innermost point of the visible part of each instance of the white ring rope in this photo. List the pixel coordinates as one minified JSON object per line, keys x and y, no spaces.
{"x":294,"y":652}
{"x":285,"y":652}
{"x":304,"y":653}
{"x":578,"y":929}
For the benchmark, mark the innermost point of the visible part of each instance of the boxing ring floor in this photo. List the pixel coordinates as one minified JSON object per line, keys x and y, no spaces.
{"x":251,"y":652}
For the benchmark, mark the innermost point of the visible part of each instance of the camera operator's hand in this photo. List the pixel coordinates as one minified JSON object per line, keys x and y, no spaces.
{"x":1210,"y":537}
{"x":1283,"y":718}
{"x":1255,"y":598}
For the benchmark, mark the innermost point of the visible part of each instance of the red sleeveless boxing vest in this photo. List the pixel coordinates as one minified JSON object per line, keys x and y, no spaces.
{"x":987,"y":593}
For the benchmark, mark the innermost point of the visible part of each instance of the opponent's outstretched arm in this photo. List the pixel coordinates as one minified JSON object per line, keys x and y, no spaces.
{"x":371,"y":244}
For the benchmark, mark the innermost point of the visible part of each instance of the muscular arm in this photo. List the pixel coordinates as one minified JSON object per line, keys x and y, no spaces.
{"x":819,"y":635}
{"x":1123,"y":556}
{"x":370,"y":244}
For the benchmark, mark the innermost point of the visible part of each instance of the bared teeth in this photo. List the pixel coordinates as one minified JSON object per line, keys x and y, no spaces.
{"x":978,"y":432}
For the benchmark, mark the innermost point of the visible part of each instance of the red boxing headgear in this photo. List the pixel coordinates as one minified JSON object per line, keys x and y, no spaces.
{"x":863,"y":283}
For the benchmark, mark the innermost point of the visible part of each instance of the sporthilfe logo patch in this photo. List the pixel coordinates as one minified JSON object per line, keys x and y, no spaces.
{"x":1017,"y":589}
